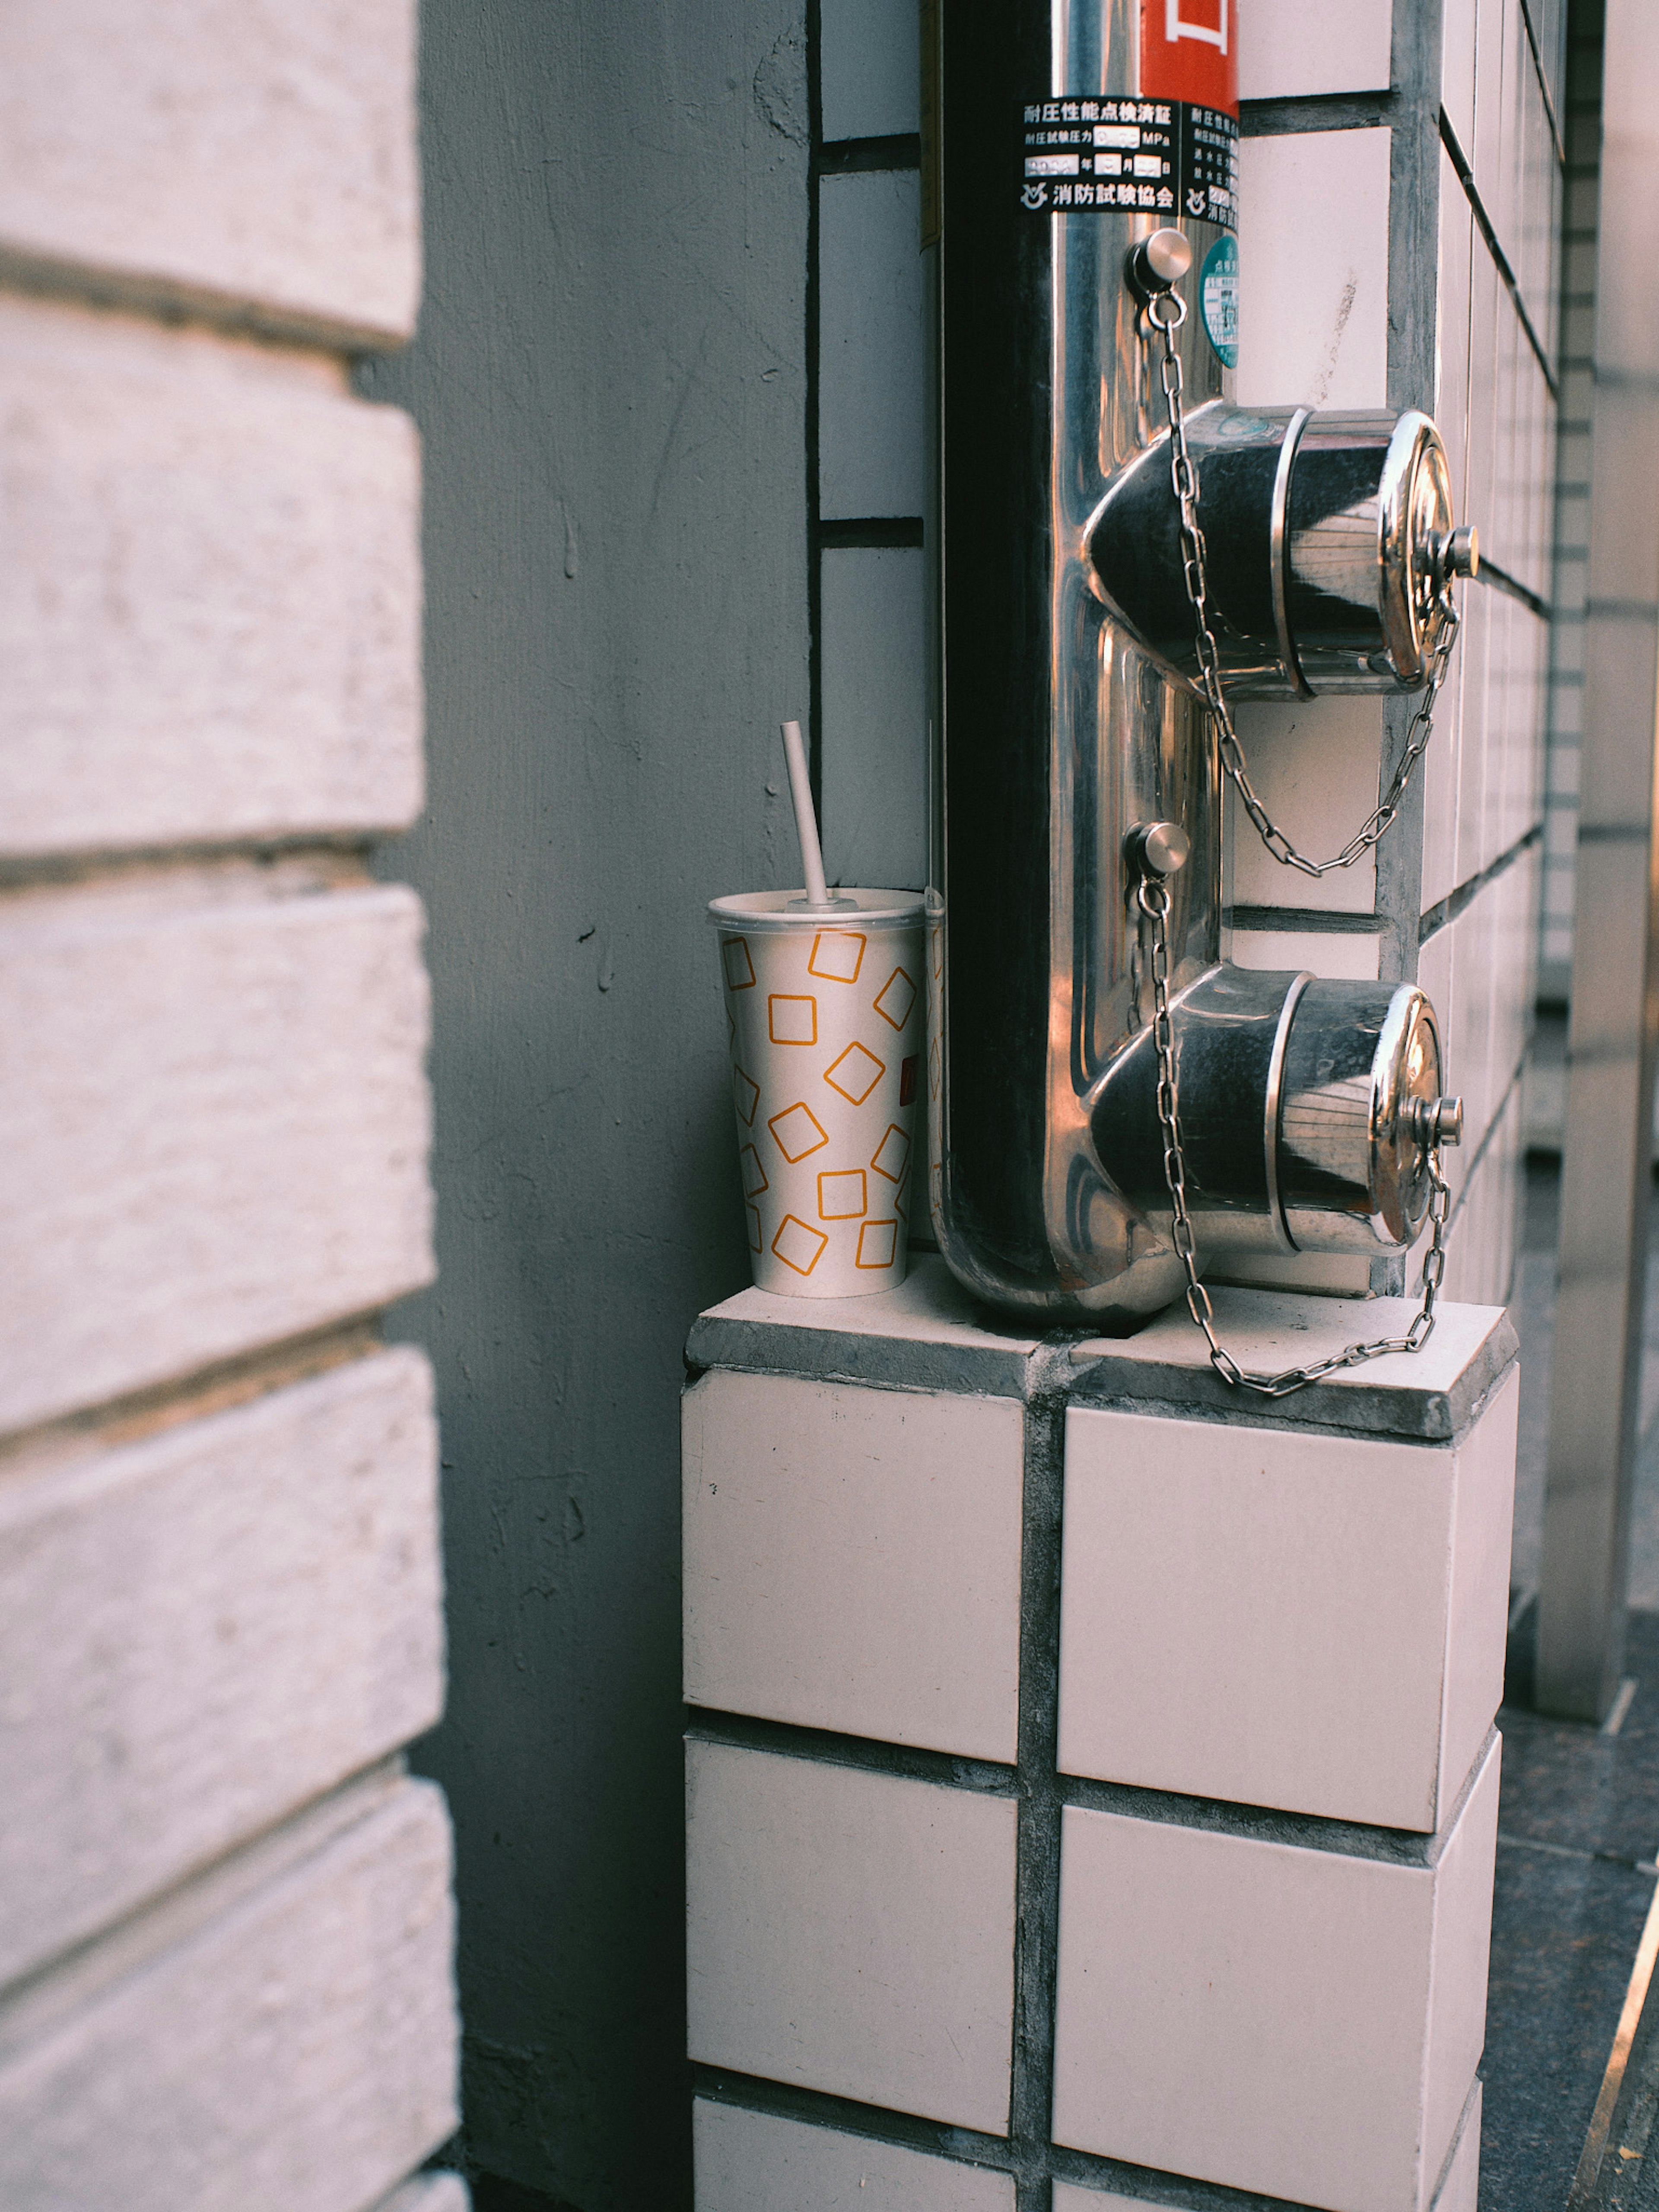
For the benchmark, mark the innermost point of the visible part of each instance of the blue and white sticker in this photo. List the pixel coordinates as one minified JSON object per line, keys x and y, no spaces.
{"x":1217,"y":297}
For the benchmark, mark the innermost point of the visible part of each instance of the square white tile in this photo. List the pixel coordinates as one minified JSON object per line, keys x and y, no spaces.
{"x":1351,"y":955}
{"x":874,"y":748}
{"x":1270,"y":2017}
{"x":1281,"y":1617}
{"x":851,"y":1559}
{"x":872,"y":418}
{"x":851,"y":1932}
{"x":869,"y":58}
{"x":758,"y":2162}
{"x":1314,"y":763}
{"x":1314,"y":297}
{"x":1288,"y":48}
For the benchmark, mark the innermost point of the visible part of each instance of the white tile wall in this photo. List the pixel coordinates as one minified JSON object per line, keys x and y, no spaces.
{"x":1457,"y":69}
{"x":1290,"y":47}
{"x":851,"y":1559}
{"x":875,"y":755}
{"x":871,"y":394}
{"x":1281,"y":2020}
{"x":1478,"y":972}
{"x":1316,"y":764}
{"x":869,"y":56}
{"x":1313,"y":299}
{"x":1348,"y":954}
{"x":1460,"y":2188}
{"x":1284,"y":1618}
{"x":756,"y":2162}
{"x":852,"y":1932}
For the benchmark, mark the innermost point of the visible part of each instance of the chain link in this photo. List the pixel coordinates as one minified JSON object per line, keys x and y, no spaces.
{"x":1184,"y":479}
{"x":1152,"y":897}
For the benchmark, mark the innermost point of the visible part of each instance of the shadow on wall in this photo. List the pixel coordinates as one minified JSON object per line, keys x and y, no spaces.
{"x":609,"y":384}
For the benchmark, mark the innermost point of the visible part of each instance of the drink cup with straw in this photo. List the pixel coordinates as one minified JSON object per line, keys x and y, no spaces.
{"x":825,"y":1010}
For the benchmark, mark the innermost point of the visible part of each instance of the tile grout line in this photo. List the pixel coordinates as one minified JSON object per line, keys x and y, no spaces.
{"x":1036,"y":1851}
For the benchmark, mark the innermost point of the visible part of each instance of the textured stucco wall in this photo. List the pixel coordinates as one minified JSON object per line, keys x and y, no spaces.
{"x":609,"y":384}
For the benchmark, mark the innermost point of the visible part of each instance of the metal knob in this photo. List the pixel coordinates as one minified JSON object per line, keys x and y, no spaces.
{"x":1157,"y":262}
{"x":1157,"y":848}
{"x":1438,"y":1122}
{"x":1455,"y":553}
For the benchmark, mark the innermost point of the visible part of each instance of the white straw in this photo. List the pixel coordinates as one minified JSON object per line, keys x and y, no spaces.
{"x":800,"y":790}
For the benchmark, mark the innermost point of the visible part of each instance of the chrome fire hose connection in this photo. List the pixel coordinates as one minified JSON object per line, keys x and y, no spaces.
{"x":1089,"y":194}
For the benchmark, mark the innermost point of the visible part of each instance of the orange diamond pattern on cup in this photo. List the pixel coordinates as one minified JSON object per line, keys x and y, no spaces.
{"x":895,"y":999}
{"x":798,"y":1131}
{"x":799,"y":1245}
{"x":740,"y":968}
{"x":746,"y":1092}
{"x":754,"y":1175}
{"x":855,"y":1073}
{"x":878,"y":1243}
{"x":791,"y":1020}
{"x":843,"y":1195}
{"x":753,"y":1211}
{"x":837,"y":955}
{"x":892,"y":1155}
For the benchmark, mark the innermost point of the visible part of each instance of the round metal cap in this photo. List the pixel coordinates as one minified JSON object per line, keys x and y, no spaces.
{"x":1167,"y":255}
{"x":1415,"y":501}
{"x":1405,"y":1076}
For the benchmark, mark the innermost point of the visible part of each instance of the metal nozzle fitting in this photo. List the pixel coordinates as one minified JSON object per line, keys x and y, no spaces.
{"x":1156,"y":262}
{"x":1156,"y":850}
{"x":1438,"y":1122}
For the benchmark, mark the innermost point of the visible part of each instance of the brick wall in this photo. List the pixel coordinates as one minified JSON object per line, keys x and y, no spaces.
{"x":224,"y":1908}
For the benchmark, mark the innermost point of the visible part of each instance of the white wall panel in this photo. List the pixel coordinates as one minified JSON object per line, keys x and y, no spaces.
{"x":261,"y":157}
{"x":209,"y":591}
{"x":875,"y":749}
{"x":1313,"y":270}
{"x":200,"y":1631}
{"x":1291,"y":48}
{"x":293,"y":2045}
{"x":871,"y":396}
{"x":223,"y":1139}
{"x":869,"y":56}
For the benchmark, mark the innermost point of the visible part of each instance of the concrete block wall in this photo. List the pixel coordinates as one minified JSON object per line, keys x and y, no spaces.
{"x":1401,"y":198}
{"x":225,"y":1916}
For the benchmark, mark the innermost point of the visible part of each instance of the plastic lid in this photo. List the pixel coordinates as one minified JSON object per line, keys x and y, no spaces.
{"x":867,"y":909}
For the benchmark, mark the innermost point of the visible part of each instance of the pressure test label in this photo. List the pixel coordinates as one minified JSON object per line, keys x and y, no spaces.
{"x":1218,"y":300}
{"x":1173,"y":158}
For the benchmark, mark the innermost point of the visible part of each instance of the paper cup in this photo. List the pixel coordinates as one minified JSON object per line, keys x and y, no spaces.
{"x":825,"y":1018}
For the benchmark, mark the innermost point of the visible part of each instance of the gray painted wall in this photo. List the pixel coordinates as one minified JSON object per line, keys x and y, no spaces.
{"x":610,"y":379}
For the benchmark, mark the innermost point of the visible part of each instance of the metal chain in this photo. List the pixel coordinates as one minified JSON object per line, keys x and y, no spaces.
{"x":1152,"y":896}
{"x":1184,"y":476}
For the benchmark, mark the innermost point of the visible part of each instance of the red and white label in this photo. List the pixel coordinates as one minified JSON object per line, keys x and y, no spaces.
{"x":1190,"y":50}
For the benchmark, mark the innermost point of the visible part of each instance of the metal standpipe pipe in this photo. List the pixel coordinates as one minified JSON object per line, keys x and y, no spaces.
{"x":1089,"y":162}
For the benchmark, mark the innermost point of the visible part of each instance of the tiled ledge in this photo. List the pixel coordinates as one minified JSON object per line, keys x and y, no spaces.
{"x":930,"y":1335}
